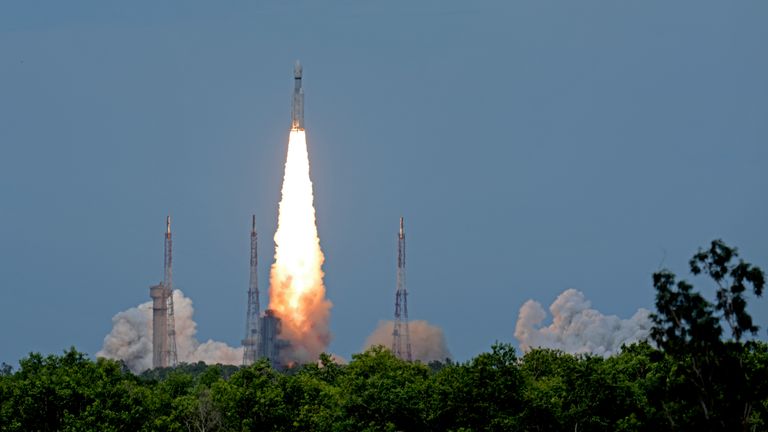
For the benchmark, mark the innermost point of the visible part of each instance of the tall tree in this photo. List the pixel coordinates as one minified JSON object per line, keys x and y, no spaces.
{"x":713,"y":389}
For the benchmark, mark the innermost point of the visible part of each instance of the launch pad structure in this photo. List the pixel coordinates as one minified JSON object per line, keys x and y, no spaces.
{"x":261,"y":331}
{"x":251,"y":342}
{"x":163,"y":320}
{"x":401,"y":335}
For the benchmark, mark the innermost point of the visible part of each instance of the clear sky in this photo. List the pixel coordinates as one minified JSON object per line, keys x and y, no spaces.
{"x":532,"y":146}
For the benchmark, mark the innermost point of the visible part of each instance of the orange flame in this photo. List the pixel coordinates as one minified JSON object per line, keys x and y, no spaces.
{"x":296,"y":292}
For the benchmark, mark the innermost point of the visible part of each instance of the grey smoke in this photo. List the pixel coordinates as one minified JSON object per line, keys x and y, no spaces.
{"x":131,"y":338}
{"x":576,"y":328}
{"x":427,"y":341}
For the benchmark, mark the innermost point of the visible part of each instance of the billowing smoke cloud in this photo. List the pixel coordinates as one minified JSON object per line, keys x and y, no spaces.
{"x":131,"y":338}
{"x":576,"y":328}
{"x":427,"y":341}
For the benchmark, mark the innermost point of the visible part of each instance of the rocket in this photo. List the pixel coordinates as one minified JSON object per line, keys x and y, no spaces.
{"x":297,"y":108}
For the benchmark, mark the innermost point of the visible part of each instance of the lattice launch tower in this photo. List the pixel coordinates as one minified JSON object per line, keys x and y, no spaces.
{"x":252,"y":340}
{"x":401,"y":337}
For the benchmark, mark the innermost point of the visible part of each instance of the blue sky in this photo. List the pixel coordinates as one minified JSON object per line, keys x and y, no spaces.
{"x":532,"y":146}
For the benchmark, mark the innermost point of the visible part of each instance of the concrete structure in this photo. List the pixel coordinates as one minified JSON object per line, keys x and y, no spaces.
{"x":163,"y":322}
{"x":159,"y":325}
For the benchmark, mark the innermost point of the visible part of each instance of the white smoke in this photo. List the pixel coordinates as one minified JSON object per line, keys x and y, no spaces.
{"x":131,"y":338}
{"x":576,"y":328}
{"x":427,"y":341}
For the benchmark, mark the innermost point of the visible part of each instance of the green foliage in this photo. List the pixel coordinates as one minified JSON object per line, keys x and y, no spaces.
{"x":70,"y":393}
{"x":381,"y":392}
{"x":193,"y":369}
{"x":691,"y":379}
{"x":709,"y":383}
{"x":732,"y":280}
{"x":641,"y":388}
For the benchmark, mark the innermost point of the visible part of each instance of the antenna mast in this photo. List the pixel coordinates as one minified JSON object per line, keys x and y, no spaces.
{"x":172,"y":358}
{"x":251,"y":342}
{"x":401,"y":337}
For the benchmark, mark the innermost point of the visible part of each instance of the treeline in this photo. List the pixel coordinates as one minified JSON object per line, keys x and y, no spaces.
{"x":691,"y":375}
{"x":639,"y":389}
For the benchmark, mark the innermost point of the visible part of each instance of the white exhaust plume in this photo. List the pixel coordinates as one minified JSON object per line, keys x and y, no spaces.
{"x":427,"y":341}
{"x":131,"y":338}
{"x":296,"y":288}
{"x":578,"y":329}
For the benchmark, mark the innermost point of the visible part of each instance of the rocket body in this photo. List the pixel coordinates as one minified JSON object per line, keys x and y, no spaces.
{"x":297,"y":108}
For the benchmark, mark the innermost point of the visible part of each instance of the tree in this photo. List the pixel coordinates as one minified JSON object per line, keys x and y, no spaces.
{"x":380,"y":392}
{"x":483,"y":394}
{"x":198,"y":412}
{"x":253,"y":399}
{"x":687,"y":328}
{"x":69,"y":393}
{"x":313,"y":396}
{"x":732,"y":280}
{"x":6,"y":397}
{"x":583,"y":392}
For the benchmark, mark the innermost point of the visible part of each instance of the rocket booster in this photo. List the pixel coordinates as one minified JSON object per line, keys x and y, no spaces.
{"x":297,"y":108}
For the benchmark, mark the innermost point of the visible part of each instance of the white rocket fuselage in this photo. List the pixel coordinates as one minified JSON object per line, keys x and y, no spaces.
{"x":297,"y":108}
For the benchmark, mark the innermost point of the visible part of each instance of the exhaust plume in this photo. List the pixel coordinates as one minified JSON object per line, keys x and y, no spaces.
{"x":576,"y":328}
{"x":427,"y":341}
{"x":131,"y":338}
{"x":296,"y":292}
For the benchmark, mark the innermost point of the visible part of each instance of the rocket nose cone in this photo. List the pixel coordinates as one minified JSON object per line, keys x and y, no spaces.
{"x":297,"y":69}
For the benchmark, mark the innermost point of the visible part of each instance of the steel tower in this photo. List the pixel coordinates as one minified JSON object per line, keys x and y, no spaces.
{"x":401,"y":337}
{"x":173,"y":359}
{"x":252,"y":340}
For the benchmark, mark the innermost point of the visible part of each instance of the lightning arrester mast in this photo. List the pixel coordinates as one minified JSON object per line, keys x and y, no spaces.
{"x":172,"y":358}
{"x":251,"y":342}
{"x":401,"y":337}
